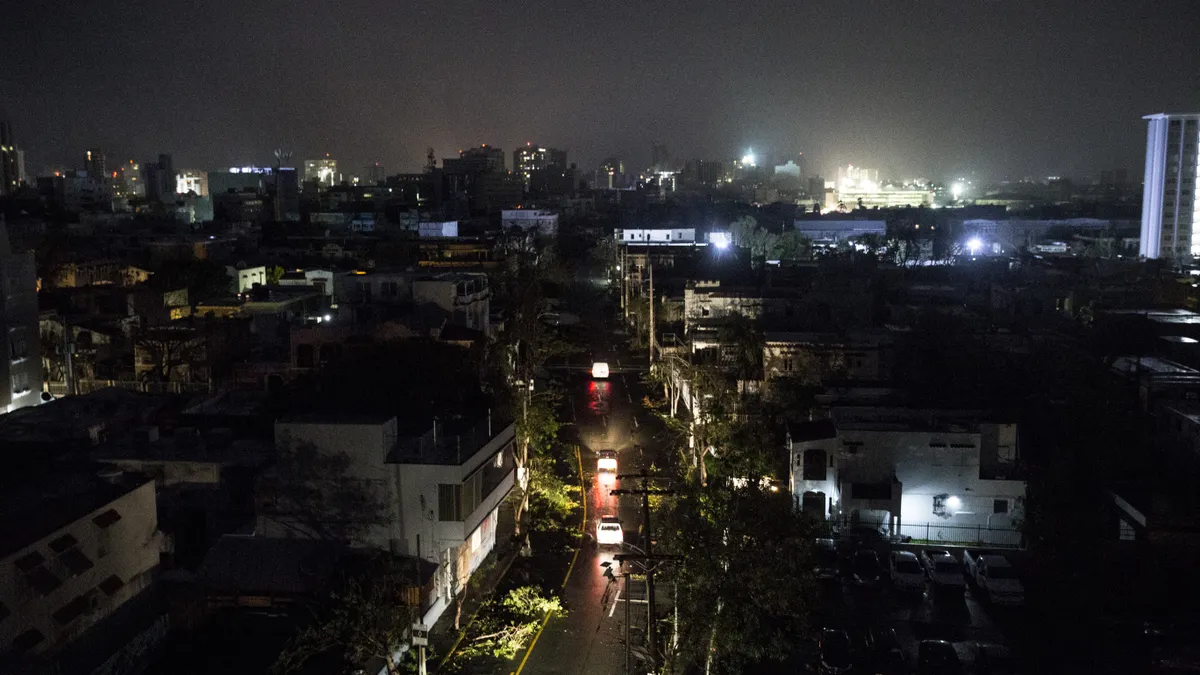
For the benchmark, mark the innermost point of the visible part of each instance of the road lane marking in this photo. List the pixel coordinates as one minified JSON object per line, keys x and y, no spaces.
{"x":615,"y":601}
{"x":582,"y":532}
{"x":534,"y":643}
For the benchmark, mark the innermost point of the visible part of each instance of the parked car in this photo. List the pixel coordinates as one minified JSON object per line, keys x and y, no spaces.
{"x":937,"y":657}
{"x":883,"y":649}
{"x":994,"y":576}
{"x":992,"y":659}
{"x":835,"y":652}
{"x":907,"y":573}
{"x":825,"y":559}
{"x":943,"y":570}
{"x":864,"y":568}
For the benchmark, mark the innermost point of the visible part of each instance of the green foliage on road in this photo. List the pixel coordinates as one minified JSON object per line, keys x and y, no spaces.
{"x":502,"y":629}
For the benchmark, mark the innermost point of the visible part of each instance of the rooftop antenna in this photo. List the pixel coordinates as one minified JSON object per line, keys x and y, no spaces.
{"x":430,"y":160}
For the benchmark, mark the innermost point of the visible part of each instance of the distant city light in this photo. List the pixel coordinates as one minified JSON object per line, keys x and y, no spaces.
{"x":974,"y":244}
{"x":721,"y":240}
{"x":748,"y":159}
{"x":956,"y":190}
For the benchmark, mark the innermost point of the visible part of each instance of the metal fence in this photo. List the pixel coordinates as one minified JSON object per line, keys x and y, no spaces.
{"x":976,"y":535}
{"x":59,"y":389}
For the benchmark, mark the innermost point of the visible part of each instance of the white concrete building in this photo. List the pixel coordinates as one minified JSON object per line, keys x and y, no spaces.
{"x":465,"y":296}
{"x":244,"y":279}
{"x":540,"y":220}
{"x":1171,"y":193}
{"x":441,"y":492}
{"x":850,"y":356}
{"x":935,"y":474}
{"x":679,"y":236}
{"x":73,"y":550}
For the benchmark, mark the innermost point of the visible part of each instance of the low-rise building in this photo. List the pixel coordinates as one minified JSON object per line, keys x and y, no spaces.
{"x":850,"y":357}
{"x":540,"y":221}
{"x":78,"y":557}
{"x":936,"y":475}
{"x":465,"y":297}
{"x":440,"y":492}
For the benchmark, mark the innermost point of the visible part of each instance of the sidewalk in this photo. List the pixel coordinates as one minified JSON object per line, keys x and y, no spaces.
{"x":442,"y":637}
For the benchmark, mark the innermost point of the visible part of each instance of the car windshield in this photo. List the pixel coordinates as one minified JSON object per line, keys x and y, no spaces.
{"x":907,"y":566}
{"x":947,"y":567}
{"x":1001,"y":572}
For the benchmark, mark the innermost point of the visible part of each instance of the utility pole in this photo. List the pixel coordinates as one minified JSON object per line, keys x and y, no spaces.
{"x":648,"y":556}
{"x":650,"y":266}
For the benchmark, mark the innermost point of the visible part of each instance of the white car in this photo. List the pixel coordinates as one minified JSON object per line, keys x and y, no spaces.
{"x":609,"y":532}
{"x":606,"y":462}
{"x":600,"y":370}
{"x":993,"y":574}
{"x":944,"y":570}
{"x":906,"y":571}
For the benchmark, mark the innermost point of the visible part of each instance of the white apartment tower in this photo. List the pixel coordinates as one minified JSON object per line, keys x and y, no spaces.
{"x":1170,"y":201}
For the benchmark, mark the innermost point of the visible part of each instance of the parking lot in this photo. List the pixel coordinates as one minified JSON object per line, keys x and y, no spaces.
{"x":965,"y":618}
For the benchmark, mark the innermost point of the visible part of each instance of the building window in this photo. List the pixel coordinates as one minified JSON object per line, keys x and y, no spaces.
{"x":449,"y":503}
{"x":999,"y":506}
{"x":814,"y":464}
{"x":1126,"y":532}
{"x":1006,"y":453}
{"x":305,"y":356}
{"x":27,"y":641}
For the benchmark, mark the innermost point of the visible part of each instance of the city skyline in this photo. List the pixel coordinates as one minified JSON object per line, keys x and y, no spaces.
{"x":1003,"y":89}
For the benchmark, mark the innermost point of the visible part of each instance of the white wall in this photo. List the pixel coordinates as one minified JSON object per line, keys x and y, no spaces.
{"x":132,"y":546}
{"x":925,"y":471}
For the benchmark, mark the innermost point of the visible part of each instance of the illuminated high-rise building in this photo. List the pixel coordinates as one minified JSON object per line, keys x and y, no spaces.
{"x":532,"y":159}
{"x":20,"y":364}
{"x":10,"y":161}
{"x":323,"y":172}
{"x":93,"y":162}
{"x":1171,"y":192}
{"x":190,"y":180}
{"x":127,"y":182}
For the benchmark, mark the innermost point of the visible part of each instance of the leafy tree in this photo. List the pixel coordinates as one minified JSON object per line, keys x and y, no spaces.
{"x":742,"y":345}
{"x":743,"y":578}
{"x":761,"y":244}
{"x":205,"y":280}
{"x":537,"y":430}
{"x":366,"y":617}
{"x":311,"y":494}
{"x":274,"y":274}
{"x":167,"y":348}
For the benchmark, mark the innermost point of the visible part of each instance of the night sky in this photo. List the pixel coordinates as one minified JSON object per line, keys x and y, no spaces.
{"x":1005,"y":88}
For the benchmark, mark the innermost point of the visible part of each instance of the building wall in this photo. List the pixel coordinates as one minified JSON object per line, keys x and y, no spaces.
{"x":927,"y":464}
{"x":20,"y":345}
{"x":1171,"y":194}
{"x":127,"y":549}
{"x":843,"y":360}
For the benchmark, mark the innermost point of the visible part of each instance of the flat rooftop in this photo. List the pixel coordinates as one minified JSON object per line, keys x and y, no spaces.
{"x":906,"y":419}
{"x":77,"y":418}
{"x":452,"y":445}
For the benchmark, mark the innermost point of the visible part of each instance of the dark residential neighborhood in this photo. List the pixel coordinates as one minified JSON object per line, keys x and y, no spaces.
{"x":811,"y":337}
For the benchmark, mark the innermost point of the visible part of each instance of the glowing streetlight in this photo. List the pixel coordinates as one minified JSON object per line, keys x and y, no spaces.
{"x":954,"y":503}
{"x":974,"y":244}
{"x":956,"y":190}
{"x":748,"y":159}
